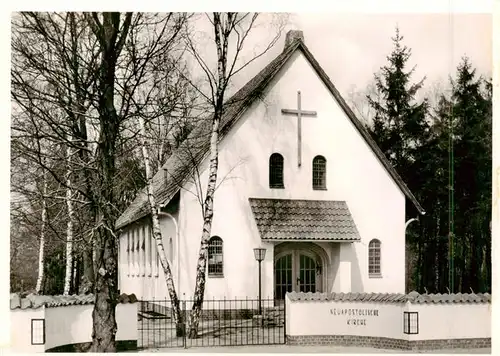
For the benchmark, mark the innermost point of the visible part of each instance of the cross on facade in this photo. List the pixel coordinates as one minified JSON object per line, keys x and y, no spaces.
{"x":299,"y":112}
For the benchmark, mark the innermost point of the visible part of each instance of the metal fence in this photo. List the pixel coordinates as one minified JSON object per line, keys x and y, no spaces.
{"x":224,"y":322}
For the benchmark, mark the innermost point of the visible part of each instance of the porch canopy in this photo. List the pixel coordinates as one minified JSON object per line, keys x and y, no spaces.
{"x":304,"y":220}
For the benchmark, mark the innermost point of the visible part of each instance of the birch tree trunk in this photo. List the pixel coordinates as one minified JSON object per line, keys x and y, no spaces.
{"x":41,"y":254}
{"x":158,"y":236}
{"x":208,"y":213}
{"x":221,"y":42}
{"x":69,"y":228}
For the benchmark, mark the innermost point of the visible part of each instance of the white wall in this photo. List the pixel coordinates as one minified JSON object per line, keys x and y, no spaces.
{"x":326,"y":318}
{"x":20,"y":329}
{"x":126,"y":321}
{"x":452,"y":321}
{"x":436,"y":321}
{"x":73,"y":324}
{"x":354,"y":174}
{"x":146,"y":279}
{"x":68,"y":325}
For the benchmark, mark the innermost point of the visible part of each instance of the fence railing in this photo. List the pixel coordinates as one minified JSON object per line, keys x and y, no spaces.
{"x":226,"y":322}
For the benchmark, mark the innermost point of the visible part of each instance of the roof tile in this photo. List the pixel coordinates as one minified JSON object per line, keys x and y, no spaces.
{"x":34,"y":301}
{"x":284,"y":219}
{"x":412,"y":297}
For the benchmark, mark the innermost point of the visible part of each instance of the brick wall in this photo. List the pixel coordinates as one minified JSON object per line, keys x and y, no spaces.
{"x":387,"y":343}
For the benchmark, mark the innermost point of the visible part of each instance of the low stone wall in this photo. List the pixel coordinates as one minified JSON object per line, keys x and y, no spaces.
{"x":389,"y":321}
{"x":348,"y":340}
{"x":388,"y":343}
{"x":66,"y":323}
{"x":121,"y":346}
{"x":476,"y":343}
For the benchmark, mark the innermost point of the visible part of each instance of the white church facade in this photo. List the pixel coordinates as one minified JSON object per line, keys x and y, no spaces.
{"x":299,"y":176}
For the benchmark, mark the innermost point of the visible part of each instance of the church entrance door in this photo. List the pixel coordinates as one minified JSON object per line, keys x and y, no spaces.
{"x":295,"y":271}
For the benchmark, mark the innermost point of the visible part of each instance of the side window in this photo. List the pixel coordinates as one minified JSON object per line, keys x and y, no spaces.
{"x":215,"y":257}
{"x":374,"y":269}
{"x":276,"y":171}
{"x":319,"y":173}
{"x":37,"y":331}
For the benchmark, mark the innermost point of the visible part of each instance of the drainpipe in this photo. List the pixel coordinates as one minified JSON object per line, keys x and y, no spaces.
{"x":409,"y":222}
{"x":161,"y":213}
{"x":406,"y":226}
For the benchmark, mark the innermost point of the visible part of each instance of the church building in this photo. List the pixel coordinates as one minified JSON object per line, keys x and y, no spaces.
{"x":298,"y":175}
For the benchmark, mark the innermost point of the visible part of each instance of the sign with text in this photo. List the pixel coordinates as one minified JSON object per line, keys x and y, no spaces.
{"x":355,"y":316}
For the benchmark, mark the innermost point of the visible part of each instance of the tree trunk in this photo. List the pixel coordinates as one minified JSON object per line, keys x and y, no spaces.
{"x":87,"y":281}
{"x":221,"y":42}
{"x":106,"y":294}
{"x":158,"y":236}
{"x":69,"y":228}
{"x":111,"y":35}
{"x":208,"y":213}
{"x":437,"y":259}
{"x":41,"y":254}
{"x":420,"y":274}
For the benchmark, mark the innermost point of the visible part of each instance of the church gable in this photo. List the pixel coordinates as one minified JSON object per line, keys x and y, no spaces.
{"x":181,"y":163}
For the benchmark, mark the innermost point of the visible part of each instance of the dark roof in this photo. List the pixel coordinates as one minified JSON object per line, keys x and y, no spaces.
{"x":413,"y":297}
{"x":284,"y":219}
{"x":197,"y":145}
{"x":34,"y":301}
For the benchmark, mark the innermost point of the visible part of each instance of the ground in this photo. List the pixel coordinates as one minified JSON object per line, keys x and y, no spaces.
{"x":288,"y":349}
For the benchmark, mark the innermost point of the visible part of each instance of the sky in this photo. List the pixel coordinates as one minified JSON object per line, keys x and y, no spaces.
{"x":351,"y":47}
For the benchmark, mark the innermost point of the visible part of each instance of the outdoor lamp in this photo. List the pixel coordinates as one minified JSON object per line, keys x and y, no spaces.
{"x":260,"y":254}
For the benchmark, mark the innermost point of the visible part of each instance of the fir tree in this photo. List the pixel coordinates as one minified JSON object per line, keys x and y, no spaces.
{"x":399,"y":125}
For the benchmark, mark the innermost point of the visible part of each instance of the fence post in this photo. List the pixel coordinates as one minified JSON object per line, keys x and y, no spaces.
{"x":284,"y":321}
{"x":184,"y":312}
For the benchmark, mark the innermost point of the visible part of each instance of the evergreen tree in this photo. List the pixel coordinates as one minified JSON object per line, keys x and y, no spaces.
{"x":399,"y":125}
{"x":444,"y":156}
{"x":471,"y":125}
{"x":401,"y":130}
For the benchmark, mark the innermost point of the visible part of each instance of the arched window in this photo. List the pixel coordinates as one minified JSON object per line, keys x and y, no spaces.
{"x":215,"y":257}
{"x":319,"y":172}
{"x":374,"y":258}
{"x":276,"y":171}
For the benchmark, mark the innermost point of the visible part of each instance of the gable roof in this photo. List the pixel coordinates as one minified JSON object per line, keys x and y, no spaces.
{"x":291,"y":219}
{"x":197,"y":145}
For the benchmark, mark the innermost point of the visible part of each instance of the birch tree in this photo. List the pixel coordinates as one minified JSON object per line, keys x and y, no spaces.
{"x":41,"y":253}
{"x":230,"y":31}
{"x":166,"y":95}
{"x":69,"y":228}
{"x":53,"y":71}
{"x":157,"y":235}
{"x":71,"y":80}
